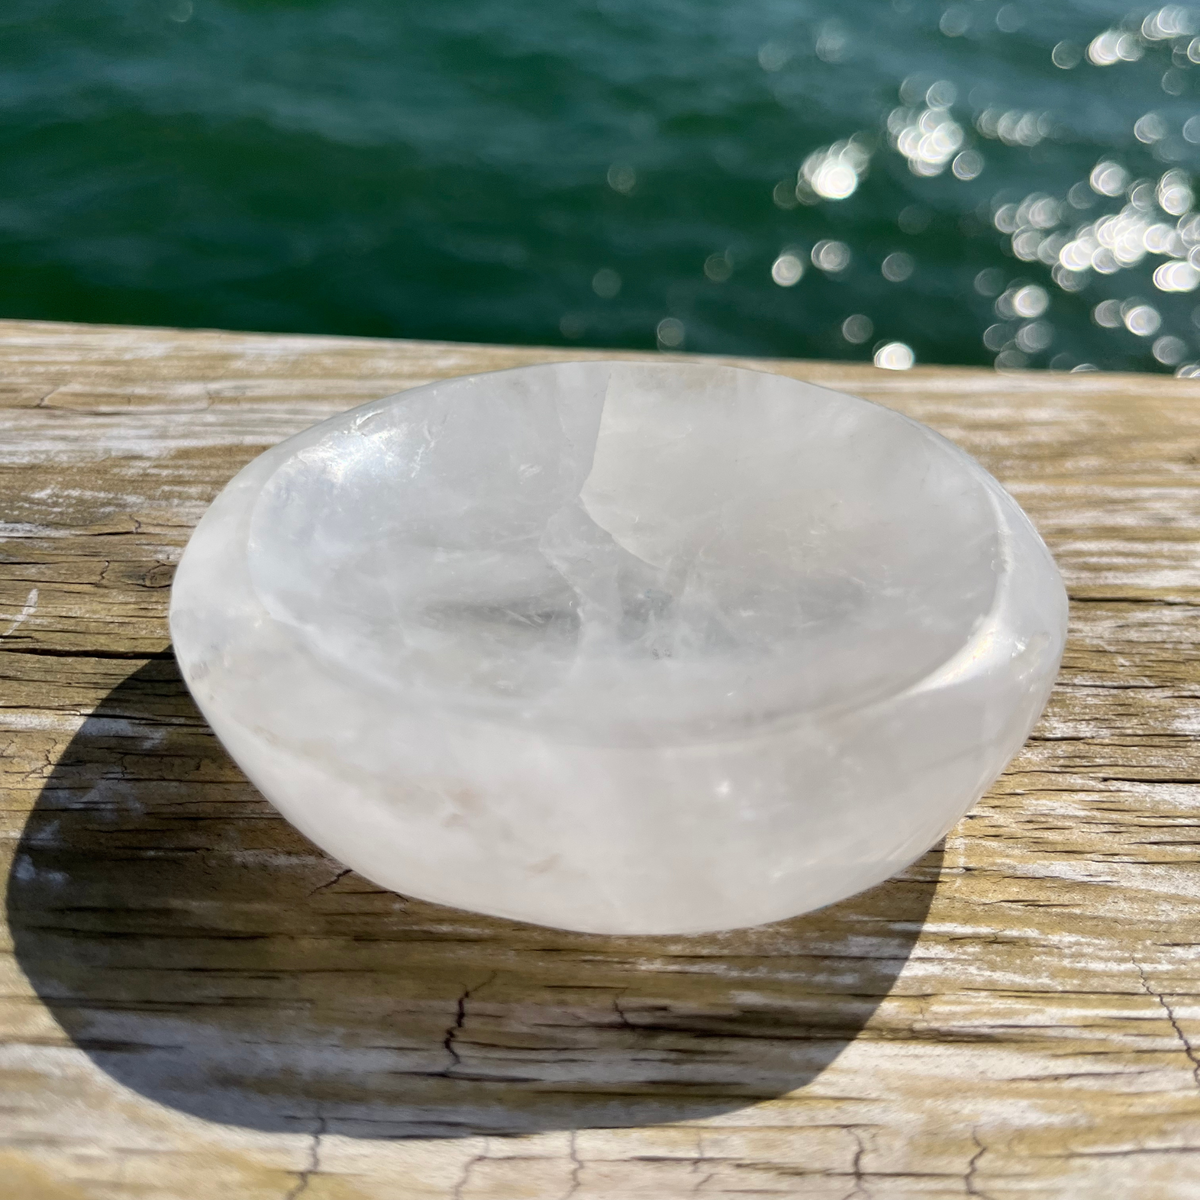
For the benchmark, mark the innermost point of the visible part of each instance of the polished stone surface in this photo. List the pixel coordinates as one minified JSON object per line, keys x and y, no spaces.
{"x":620,"y":647}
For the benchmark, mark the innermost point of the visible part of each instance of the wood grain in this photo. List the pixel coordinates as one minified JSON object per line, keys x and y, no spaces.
{"x":194,"y":1000}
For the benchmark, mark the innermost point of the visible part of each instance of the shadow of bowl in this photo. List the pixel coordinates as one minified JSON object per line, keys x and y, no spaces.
{"x":204,"y":954}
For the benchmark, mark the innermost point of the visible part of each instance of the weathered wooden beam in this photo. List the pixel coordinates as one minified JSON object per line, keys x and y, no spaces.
{"x":193,"y":999}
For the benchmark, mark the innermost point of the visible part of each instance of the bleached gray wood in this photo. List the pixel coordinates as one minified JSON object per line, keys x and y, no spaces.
{"x":195,"y":1001}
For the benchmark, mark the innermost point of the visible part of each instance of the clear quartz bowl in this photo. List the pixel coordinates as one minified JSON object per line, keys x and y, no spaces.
{"x":620,"y":647}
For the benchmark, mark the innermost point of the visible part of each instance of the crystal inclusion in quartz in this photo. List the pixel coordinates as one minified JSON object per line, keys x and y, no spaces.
{"x":618,"y":647}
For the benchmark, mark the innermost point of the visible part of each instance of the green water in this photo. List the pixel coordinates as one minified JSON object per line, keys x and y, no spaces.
{"x":616,"y":173}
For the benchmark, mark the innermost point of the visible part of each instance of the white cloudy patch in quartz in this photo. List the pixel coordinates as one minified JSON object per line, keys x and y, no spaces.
{"x":626,"y":648}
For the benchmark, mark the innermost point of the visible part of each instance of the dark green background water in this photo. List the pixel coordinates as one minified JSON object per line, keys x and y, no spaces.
{"x":443,"y":170}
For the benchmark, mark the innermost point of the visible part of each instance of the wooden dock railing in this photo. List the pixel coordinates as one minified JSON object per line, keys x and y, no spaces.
{"x":195,"y":1002}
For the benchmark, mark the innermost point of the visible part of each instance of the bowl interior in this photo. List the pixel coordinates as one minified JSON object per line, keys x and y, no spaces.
{"x":627,"y":550}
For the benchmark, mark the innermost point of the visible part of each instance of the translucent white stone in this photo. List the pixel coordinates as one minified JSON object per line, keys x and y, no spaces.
{"x":628,"y":648}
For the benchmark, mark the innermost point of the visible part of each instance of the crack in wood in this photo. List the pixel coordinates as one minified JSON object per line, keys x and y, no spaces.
{"x":460,"y":1020}
{"x":577,"y":1167}
{"x":467,"y":1170}
{"x":304,"y":1177}
{"x":973,"y":1168}
{"x":1188,"y":1049}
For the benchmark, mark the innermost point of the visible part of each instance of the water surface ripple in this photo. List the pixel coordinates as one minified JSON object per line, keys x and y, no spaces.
{"x":966,"y":183}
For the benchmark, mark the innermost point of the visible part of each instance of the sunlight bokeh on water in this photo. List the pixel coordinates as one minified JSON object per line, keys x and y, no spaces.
{"x":891,"y":182}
